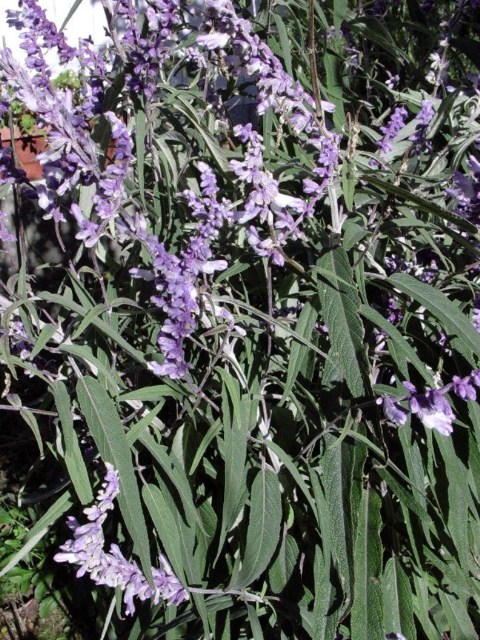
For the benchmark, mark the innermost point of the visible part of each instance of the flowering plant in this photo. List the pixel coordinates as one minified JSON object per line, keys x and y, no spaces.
{"x":263,"y":318}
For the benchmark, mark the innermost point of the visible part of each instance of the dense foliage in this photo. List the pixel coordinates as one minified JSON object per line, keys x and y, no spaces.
{"x":261,"y":333}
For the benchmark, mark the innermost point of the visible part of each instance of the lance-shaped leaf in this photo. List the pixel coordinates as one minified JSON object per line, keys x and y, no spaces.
{"x":397,"y":600}
{"x":235,"y":432}
{"x":299,"y":352}
{"x":109,"y":435}
{"x":74,"y":462}
{"x":263,"y":528}
{"x":367,"y":609}
{"x":340,"y":305}
{"x":465,"y":337}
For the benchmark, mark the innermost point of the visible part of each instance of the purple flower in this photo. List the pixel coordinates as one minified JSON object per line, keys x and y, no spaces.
{"x":476,"y":319}
{"x":432,"y":407}
{"x":89,"y":231}
{"x":266,"y":247}
{"x":175,"y":277}
{"x":464,"y":388}
{"x":393,"y":128}
{"x":37,"y":32}
{"x":86,"y":550}
{"x":466,"y":191}
{"x":433,"y":410}
{"x":213,"y":40}
{"x":9,"y":173}
{"x":475,"y":377}
{"x":393,"y":411}
{"x":5,"y":234}
{"x":392,"y":81}
{"x":146,"y":53}
{"x":423,"y":117}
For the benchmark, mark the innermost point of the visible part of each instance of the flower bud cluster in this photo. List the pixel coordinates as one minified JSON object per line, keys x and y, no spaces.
{"x":147,"y":54}
{"x":392,"y":129}
{"x":423,"y":119}
{"x":176,"y":277}
{"x":112,"y":569}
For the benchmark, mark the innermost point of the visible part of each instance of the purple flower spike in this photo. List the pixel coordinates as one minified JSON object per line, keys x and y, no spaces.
{"x":176,"y":277}
{"x":390,"y":132}
{"x":423,"y":118}
{"x":112,"y":569}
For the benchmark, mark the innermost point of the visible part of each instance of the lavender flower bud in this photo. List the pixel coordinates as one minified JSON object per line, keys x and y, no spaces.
{"x":393,"y":128}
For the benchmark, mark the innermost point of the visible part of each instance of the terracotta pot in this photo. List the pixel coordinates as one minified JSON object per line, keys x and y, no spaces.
{"x":27,"y":147}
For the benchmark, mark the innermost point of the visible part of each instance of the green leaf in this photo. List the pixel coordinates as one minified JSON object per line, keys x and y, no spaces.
{"x":109,"y":435}
{"x":457,"y":519}
{"x":372,"y":30}
{"x":178,"y":539}
{"x":136,"y":430}
{"x":455,"y":610}
{"x":284,"y":564}
{"x":94,"y":312}
{"x":39,"y":530}
{"x":202,"y":447}
{"x":334,"y":86}
{"x":234,"y":454}
{"x":407,"y":499}
{"x":181,"y":104}
{"x":95,"y":366}
{"x":101,"y":325}
{"x":459,"y":326}
{"x":31,"y":420}
{"x":53,"y":513}
{"x":268,"y":319}
{"x":44,"y":336}
{"x":263,"y":528}
{"x":340,"y":305}
{"x":325,"y":613}
{"x":421,"y":606}
{"x":255,"y":623}
{"x":348,"y":189}
{"x":72,"y":12}
{"x":298,"y":351}
{"x":397,"y":600}
{"x":172,"y":468}
{"x":293,"y":469}
{"x":151,"y":394}
{"x":398,"y":339}
{"x":340,"y":8}
{"x":367,"y":608}
{"x":284,"y":42}
{"x":335,"y":508}
{"x":73,"y":455}
{"x":166,"y":527}
{"x":24,"y":551}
